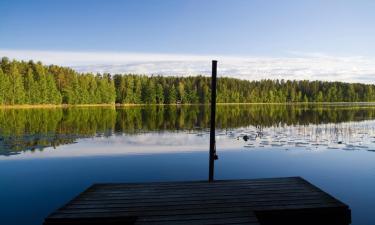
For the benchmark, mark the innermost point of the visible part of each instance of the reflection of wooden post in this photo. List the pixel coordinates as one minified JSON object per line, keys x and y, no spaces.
{"x":212,"y":129}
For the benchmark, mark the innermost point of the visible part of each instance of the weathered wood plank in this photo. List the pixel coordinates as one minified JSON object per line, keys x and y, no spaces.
{"x":166,"y":210}
{"x":200,"y":182}
{"x":214,"y":194}
{"x":214,"y":221}
{"x":185,"y":211}
{"x":196,"y":185}
{"x":187,"y":201}
{"x":238,"y":201}
{"x":201,"y":190}
{"x":250,"y":215}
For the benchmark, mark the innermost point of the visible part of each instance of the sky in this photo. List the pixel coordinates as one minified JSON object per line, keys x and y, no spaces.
{"x":290,"y":39}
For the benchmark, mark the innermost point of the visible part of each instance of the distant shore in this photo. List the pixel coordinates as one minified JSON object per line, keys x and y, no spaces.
{"x":128,"y":105}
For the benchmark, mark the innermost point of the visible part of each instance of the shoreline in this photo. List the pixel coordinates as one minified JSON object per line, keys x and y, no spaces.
{"x":130,"y":105}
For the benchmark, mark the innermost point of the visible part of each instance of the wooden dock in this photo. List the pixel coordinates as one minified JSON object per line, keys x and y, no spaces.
{"x":290,"y":200}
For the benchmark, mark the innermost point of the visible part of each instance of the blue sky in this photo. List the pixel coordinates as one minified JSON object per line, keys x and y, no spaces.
{"x":263,"y":30}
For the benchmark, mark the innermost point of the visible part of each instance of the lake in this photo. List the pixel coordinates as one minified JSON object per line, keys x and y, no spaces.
{"x":48,"y":156}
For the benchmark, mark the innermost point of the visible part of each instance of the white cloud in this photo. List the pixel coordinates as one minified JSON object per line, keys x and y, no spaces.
{"x":312,"y":66}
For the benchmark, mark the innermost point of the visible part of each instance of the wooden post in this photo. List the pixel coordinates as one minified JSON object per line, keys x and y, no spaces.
{"x":212,"y":128}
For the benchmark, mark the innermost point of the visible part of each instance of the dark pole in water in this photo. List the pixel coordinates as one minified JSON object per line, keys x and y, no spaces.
{"x":212,"y":129}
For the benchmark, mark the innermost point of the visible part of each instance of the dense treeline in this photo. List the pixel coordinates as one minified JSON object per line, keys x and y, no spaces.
{"x":34,"y":83}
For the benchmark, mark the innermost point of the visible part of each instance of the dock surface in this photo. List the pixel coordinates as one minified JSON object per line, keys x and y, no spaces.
{"x":268,"y":201}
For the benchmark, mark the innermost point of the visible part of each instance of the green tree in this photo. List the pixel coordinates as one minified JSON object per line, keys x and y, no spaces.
{"x":181,"y":92}
{"x":53,"y":96}
{"x":4,"y":88}
{"x":305,"y":99}
{"x":120,"y":88}
{"x":159,"y":94}
{"x":34,"y":83}
{"x":332,"y":94}
{"x":30,"y":87}
{"x":205,"y":94}
{"x":129,"y":92}
{"x":137,"y":93}
{"x":171,"y":95}
{"x":16,"y":84}
{"x":320,"y":97}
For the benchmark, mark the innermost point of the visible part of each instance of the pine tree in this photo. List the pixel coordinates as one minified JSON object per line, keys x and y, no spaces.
{"x":305,"y":99}
{"x":204,"y":94}
{"x":4,"y":87}
{"x":137,"y":91}
{"x":17,"y":87}
{"x":54,"y":96}
{"x":111,"y":90}
{"x":106,"y":88}
{"x":159,"y":94}
{"x":120,"y":84}
{"x":171,"y":95}
{"x":181,"y":92}
{"x":92,"y":89}
{"x":149,"y":92}
{"x":320,"y":97}
{"x":29,"y":87}
{"x":129,"y":95}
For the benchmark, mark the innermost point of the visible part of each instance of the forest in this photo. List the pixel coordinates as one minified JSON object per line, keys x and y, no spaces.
{"x":33,"y":83}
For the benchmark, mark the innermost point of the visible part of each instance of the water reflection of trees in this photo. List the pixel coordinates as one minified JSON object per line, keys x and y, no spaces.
{"x":35,"y":129}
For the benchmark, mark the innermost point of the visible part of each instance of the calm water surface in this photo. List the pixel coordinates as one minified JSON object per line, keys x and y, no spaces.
{"x":47,"y":156}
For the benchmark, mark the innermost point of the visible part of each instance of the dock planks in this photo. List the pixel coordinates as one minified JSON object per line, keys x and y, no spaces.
{"x":290,"y":200}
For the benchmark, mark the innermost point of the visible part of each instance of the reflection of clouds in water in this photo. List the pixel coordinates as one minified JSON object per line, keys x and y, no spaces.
{"x":161,"y":139}
{"x":144,"y":143}
{"x":341,"y":136}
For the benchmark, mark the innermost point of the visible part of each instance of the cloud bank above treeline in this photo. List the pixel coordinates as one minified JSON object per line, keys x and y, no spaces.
{"x":295,"y":66}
